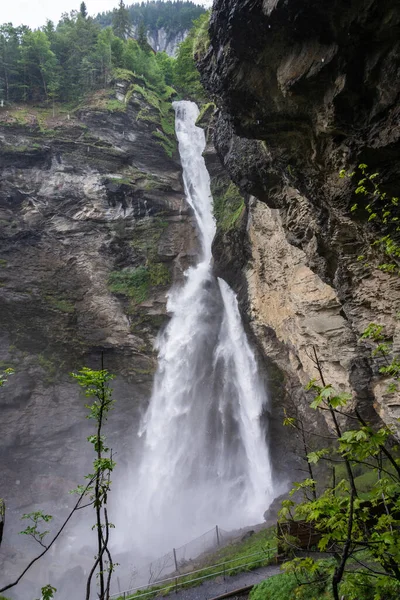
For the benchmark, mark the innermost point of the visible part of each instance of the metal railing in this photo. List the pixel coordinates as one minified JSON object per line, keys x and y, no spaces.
{"x":177,"y":579}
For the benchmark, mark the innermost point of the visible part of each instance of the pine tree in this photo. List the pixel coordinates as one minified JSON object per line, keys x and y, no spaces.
{"x":83,"y":10}
{"x":121,"y":22}
{"x":142,"y":36}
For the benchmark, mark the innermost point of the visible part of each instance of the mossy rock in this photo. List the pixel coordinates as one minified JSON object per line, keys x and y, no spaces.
{"x":205,"y":115}
{"x":228,"y":204}
{"x":136,"y":283}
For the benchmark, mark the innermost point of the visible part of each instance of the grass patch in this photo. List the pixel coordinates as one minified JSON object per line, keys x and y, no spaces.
{"x":286,"y":587}
{"x":365,"y":478}
{"x":115,"y":105}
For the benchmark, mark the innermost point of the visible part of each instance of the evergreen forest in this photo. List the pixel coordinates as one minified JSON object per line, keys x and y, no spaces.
{"x":63,"y":62}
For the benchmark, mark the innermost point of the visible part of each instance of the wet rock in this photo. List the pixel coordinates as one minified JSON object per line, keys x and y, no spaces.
{"x":302,"y":91}
{"x":93,"y":196}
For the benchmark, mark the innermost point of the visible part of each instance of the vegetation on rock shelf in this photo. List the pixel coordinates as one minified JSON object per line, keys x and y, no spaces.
{"x":228,"y":204}
{"x":146,"y":237}
{"x":383,"y":212}
{"x":137,"y":283}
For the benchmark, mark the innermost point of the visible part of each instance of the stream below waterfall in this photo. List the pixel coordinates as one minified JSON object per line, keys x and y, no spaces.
{"x":205,"y":458}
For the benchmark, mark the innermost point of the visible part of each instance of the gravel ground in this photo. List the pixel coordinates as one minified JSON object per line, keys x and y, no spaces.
{"x":214,"y":587}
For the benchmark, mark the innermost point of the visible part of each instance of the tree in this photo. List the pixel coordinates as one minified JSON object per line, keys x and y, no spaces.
{"x":361,"y":531}
{"x":95,"y":384}
{"x":166,"y":66}
{"x":121,"y":22}
{"x":83,"y":10}
{"x":94,"y":493}
{"x":141,"y":36}
{"x":10,"y":68}
{"x":40,"y":66}
{"x":186,"y":75}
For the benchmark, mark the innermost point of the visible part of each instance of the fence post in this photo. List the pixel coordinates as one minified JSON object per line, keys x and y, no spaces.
{"x":217,"y":530}
{"x":175,"y":561}
{"x":176,"y":585}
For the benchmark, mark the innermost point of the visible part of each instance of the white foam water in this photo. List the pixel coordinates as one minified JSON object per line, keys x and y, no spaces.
{"x":205,"y":457}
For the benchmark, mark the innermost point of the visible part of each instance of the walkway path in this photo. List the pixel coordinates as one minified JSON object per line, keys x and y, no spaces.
{"x":215,"y":587}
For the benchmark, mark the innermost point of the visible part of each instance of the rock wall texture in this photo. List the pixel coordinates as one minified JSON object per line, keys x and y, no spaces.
{"x":88,"y":201}
{"x":304,"y":89}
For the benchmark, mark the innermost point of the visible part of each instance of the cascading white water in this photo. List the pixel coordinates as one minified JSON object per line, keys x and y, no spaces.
{"x":205,"y":459}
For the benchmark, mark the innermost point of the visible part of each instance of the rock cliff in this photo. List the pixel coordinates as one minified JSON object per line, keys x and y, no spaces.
{"x":162,"y":40}
{"x":95,"y":228}
{"x":304,"y":89}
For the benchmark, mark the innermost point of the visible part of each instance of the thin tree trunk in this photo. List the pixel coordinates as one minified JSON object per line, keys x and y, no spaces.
{"x":339,"y":571}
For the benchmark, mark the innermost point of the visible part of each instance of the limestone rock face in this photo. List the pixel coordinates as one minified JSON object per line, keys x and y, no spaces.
{"x":303,"y":90}
{"x":162,"y":39}
{"x":86,"y":200}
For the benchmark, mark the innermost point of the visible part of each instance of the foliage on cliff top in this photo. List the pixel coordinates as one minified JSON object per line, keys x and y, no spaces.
{"x":65,"y":62}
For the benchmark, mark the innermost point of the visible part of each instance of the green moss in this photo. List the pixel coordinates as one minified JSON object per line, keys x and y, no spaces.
{"x":132,"y":283}
{"x":148,"y":95}
{"x":60,"y":304}
{"x":50,"y":367}
{"x":147,"y":234}
{"x":3,"y":262}
{"x":228,"y":205}
{"x":120,"y":180}
{"x":163,"y":116}
{"x":168,"y":125}
{"x":145,"y":115}
{"x":137,"y":283}
{"x":159,"y":274}
{"x":143,"y":321}
{"x":167,"y":145}
{"x":205,"y":113}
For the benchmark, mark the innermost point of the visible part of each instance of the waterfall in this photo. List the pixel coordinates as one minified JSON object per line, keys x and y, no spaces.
{"x":205,"y":459}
